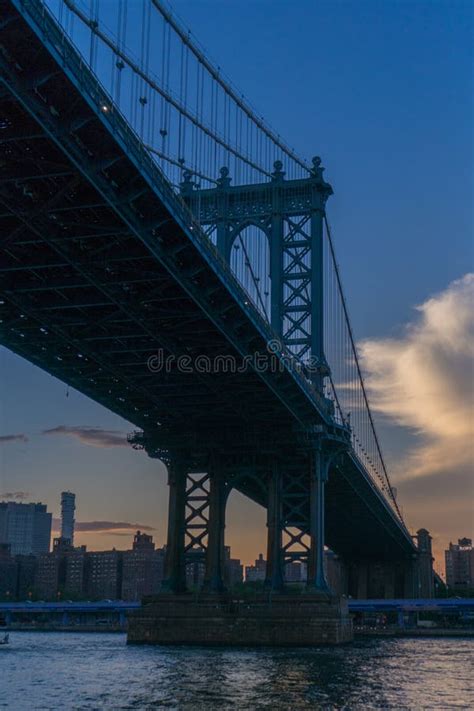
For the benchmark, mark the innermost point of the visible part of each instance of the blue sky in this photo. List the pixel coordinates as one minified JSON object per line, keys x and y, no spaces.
{"x":383,"y":92}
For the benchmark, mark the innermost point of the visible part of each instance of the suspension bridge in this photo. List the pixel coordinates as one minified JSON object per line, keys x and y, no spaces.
{"x":166,"y":253}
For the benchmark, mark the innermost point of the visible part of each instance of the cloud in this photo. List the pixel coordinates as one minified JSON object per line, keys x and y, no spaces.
{"x":424,"y":381}
{"x":4,"y":439}
{"x":93,"y":526}
{"x":93,"y":436}
{"x":15,"y":495}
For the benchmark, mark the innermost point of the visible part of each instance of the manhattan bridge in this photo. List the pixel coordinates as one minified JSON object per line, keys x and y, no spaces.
{"x":150,"y":217}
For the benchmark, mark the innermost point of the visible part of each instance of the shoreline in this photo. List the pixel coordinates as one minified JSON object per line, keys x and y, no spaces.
{"x":413,"y":632}
{"x":358,"y":633}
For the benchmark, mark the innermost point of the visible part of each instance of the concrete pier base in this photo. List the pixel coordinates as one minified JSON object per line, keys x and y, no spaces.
{"x":279,"y":620}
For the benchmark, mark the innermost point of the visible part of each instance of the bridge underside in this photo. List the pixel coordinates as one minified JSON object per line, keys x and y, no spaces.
{"x":100,"y":269}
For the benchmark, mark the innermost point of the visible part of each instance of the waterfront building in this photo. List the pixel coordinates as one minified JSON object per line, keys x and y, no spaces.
{"x":51,"y":570}
{"x":68,"y":507}
{"x":233,"y":569}
{"x":69,"y":572}
{"x":142,"y":570}
{"x":8,"y":573}
{"x":27,"y":565}
{"x":195,"y":568}
{"x":295,"y":572}
{"x":459,"y":559}
{"x":104,"y":575}
{"x":26,"y":527}
{"x":48,"y":577}
{"x":75,"y":576}
{"x":61,"y":573}
{"x":256,"y":573}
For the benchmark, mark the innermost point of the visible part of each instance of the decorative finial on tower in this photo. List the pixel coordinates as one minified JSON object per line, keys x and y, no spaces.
{"x":278,"y":174}
{"x":317,"y":171}
{"x":187,"y":184}
{"x":224,"y":181}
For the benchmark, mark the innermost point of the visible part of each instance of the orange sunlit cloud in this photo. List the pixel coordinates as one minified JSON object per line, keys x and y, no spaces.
{"x":423,"y":381}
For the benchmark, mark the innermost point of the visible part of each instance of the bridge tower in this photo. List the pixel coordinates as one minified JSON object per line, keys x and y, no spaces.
{"x":290,"y":214}
{"x":289,"y":470}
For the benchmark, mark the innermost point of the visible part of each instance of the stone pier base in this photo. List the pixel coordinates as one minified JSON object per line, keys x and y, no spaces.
{"x":280,"y":620}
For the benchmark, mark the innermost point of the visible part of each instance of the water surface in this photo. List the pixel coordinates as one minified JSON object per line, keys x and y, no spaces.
{"x":98,"y":671}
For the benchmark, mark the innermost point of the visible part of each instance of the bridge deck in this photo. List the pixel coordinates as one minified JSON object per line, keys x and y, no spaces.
{"x":101,"y":267}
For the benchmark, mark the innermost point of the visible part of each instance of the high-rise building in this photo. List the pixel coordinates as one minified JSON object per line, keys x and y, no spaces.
{"x":26,"y":527}
{"x":27,"y":565}
{"x":48,"y":576}
{"x":233,"y":569}
{"x":142,"y":570}
{"x":51,"y":570}
{"x":460,"y":564}
{"x":68,"y":507}
{"x":75,"y":577}
{"x":61,"y":573}
{"x":8,"y":573}
{"x":295,"y":572}
{"x":104,"y":575}
{"x":195,"y":569}
{"x":256,"y":573}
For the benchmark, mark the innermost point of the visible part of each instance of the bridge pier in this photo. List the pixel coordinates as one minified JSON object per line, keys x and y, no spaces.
{"x":217,"y":617}
{"x":410,"y":587}
{"x":409,"y":577}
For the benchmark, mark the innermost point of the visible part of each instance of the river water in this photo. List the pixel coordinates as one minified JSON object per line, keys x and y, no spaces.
{"x":98,"y":671}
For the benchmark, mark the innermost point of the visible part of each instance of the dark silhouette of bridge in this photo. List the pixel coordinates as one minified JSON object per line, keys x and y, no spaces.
{"x":165,"y":253}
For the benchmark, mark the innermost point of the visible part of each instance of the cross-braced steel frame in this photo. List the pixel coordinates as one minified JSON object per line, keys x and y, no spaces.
{"x":290,"y":214}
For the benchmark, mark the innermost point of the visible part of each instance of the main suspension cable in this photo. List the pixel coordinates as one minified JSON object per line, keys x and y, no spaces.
{"x":357,"y":363}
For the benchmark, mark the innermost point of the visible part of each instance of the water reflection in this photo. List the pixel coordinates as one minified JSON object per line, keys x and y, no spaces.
{"x":73,"y":671}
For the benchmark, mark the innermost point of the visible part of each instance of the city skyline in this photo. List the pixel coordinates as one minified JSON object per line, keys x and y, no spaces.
{"x":391,"y":173}
{"x":125,"y":530}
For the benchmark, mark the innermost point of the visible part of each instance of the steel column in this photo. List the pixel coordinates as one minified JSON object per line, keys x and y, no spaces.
{"x":222,"y":227}
{"x":274,"y":572}
{"x":276,"y":257}
{"x":317,"y":289}
{"x":318,"y":477}
{"x":175,"y":570}
{"x":214,"y":579}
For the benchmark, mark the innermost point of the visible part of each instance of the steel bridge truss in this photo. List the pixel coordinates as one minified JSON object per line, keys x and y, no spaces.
{"x":103,"y":266}
{"x":290,"y":214}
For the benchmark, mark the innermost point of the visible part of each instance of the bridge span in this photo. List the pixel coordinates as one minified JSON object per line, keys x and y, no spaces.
{"x":106,"y":269}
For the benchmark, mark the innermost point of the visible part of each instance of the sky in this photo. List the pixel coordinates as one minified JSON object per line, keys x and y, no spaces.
{"x":383,"y":92}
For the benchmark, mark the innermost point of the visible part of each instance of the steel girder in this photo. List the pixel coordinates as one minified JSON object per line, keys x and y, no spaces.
{"x":102,"y":265}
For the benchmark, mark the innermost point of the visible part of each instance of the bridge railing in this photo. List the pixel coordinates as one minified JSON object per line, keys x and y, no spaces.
{"x":187,"y":111}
